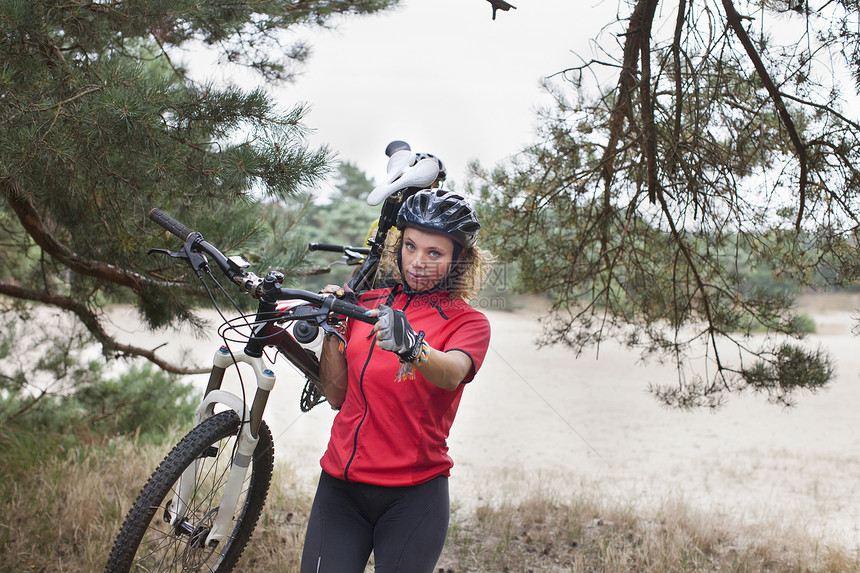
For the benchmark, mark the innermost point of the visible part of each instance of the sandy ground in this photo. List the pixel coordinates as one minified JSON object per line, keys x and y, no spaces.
{"x":543,"y":420}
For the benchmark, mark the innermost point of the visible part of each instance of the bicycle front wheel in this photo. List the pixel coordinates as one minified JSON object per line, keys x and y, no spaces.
{"x":148,"y":542}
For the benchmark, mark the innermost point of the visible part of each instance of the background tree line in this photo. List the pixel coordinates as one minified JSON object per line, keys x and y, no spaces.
{"x":714,"y":153}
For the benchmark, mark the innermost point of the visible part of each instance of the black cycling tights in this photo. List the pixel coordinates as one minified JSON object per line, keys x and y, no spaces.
{"x":405,"y":527}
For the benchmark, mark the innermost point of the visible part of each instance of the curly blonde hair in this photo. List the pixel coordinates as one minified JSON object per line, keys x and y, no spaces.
{"x":466,"y":278}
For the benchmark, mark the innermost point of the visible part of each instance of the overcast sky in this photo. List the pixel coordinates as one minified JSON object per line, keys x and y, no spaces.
{"x":442,"y":75}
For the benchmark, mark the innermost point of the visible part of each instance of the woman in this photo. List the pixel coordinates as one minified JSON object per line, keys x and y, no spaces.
{"x":398,"y":383}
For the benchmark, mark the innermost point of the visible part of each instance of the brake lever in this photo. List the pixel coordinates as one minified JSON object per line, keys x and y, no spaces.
{"x":318,"y":317}
{"x":196,"y":259}
{"x":167,"y":252}
{"x":325,"y":316}
{"x":329,"y":329}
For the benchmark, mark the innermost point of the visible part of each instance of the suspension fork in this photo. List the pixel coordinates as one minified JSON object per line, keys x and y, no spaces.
{"x":246,"y":442}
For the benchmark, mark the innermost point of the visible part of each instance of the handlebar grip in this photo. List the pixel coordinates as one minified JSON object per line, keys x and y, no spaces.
{"x":325,"y":247}
{"x":352,"y":311}
{"x":169,"y":223}
{"x":346,"y":249}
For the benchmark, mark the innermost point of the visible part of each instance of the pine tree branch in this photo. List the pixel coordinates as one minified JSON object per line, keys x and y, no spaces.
{"x":825,"y":108}
{"x":649,"y":132}
{"x":166,"y":56}
{"x":32,"y":222}
{"x":60,"y":104}
{"x":622,"y":106}
{"x":627,"y":79}
{"x":847,"y":164}
{"x":700,"y":286}
{"x":130,"y":350}
{"x":110,"y":347}
{"x":734,"y":21}
{"x":679,"y":100}
{"x":27,"y":406}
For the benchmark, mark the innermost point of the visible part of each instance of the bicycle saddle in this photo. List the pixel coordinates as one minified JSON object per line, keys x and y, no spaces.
{"x":403,"y":172}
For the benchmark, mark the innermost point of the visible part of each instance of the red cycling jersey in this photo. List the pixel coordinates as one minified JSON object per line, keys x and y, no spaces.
{"x":393,"y":433}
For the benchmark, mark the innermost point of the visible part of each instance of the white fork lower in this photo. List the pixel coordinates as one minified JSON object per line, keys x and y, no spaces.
{"x":246,"y":444}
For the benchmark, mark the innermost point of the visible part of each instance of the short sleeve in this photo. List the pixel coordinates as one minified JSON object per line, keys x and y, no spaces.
{"x":471,"y":336}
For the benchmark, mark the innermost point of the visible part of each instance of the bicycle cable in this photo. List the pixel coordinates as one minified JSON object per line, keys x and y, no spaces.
{"x":211,"y":295}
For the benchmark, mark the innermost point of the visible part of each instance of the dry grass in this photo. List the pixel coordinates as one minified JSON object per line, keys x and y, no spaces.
{"x":541,"y":534}
{"x":61,"y":515}
{"x":277,"y":541}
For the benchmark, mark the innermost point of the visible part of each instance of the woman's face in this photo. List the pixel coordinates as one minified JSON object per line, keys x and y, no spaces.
{"x":425,"y":258}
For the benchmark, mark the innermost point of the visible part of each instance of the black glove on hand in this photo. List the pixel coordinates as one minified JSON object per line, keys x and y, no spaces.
{"x":396,"y":335}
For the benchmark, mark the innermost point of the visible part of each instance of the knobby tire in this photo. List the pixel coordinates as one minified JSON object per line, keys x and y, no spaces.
{"x":147,"y":543}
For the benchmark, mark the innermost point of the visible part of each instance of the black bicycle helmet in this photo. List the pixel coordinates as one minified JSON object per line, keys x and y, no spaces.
{"x":440,"y":210}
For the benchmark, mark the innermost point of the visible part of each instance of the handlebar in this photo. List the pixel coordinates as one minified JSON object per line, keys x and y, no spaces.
{"x":233,"y":267}
{"x":169,"y":223}
{"x":338,"y":248}
{"x":268,"y":288}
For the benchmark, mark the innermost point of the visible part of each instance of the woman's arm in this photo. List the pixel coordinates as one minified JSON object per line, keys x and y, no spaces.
{"x":333,"y":370}
{"x":445,"y":369}
{"x":333,"y":373}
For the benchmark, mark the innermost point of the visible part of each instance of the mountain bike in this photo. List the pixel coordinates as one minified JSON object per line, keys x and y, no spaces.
{"x":198,"y":509}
